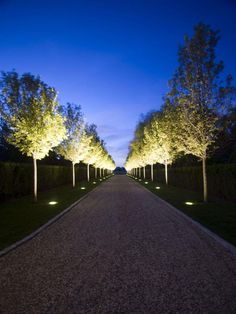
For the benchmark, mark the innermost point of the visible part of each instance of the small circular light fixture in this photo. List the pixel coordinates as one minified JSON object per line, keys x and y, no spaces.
{"x":100,"y":179}
{"x":189,"y":203}
{"x":52,"y":203}
{"x":139,"y":179}
{"x":83,"y":188}
{"x":146,"y":182}
{"x":94,"y":182}
{"x":157,"y":188}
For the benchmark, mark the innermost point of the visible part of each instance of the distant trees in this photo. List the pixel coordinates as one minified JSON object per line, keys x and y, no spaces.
{"x":158,"y":137}
{"x":95,"y":152}
{"x":31,"y":111}
{"x":189,"y":121}
{"x":199,"y":96}
{"x":76,"y":145}
{"x":34,"y":122}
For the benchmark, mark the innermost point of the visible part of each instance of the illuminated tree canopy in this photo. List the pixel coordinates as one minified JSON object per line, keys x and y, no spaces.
{"x":37,"y":123}
{"x":31,"y":111}
{"x":188,"y":122}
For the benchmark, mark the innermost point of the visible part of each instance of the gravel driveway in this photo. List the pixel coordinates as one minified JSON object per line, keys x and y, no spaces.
{"x":121,"y":250}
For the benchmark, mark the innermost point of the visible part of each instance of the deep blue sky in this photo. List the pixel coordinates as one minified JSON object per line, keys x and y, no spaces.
{"x":112,"y":57}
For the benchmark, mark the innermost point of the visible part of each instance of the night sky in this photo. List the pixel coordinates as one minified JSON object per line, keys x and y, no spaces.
{"x":114,"y":58}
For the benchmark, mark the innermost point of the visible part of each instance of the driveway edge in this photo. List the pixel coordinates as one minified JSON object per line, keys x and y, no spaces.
{"x":228,"y":246}
{"x":44,"y":226}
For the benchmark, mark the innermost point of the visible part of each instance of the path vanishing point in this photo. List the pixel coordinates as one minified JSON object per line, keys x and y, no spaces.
{"x":120,"y":250}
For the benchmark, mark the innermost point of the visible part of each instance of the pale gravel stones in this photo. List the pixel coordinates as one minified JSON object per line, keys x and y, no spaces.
{"x":119,"y":251}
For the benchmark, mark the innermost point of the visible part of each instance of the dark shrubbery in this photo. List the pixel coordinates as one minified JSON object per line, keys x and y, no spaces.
{"x":221,"y":179}
{"x":16,"y":179}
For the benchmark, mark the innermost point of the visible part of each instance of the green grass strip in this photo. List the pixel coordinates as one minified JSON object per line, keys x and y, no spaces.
{"x":20,"y":217}
{"x":218,"y":216}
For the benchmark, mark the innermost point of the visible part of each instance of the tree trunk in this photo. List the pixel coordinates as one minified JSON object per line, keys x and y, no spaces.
{"x":35,"y":180}
{"x":88,"y":177}
{"x":95,"y":174}
{"x":166,"y":172}
{"x":204,"y":176}
{"x":73,"y":174}
{"x":144,"y":172}
{"x":152,"y":172}
{"x":100,"y":172}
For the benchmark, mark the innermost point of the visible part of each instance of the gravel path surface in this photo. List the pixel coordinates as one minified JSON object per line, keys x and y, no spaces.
{"x":120,"y":250}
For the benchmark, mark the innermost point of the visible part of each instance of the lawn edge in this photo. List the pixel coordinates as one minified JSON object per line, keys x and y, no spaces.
{"x":44,"y":226}
{"x":228,"y":246}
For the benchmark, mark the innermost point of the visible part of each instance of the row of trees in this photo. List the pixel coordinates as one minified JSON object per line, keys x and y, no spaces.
{"x":36,"y":123}
{"x":190,"y":118}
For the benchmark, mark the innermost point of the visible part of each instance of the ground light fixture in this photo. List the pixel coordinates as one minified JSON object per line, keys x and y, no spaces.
{"x":146,"y":182}
{"x":52,"y":203}
{"x":189,"y":203}
{"x":94,"y":182}
{"x":139,"y":179}
{"x":157,"y":188}
{"x":83,"y":188}
{"x":100,"y":180}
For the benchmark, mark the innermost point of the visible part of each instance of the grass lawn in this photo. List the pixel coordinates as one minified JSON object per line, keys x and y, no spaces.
{"x":218,"y":216}
{"x":20,"y":217}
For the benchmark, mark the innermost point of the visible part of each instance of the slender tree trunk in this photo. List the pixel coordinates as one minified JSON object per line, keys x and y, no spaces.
{"x":95,"y":174}
{"x":88,"y":177}
{"x":35,"y":180}
{"x":152,"y":172}
{"x":166,"y":172}
{"x":204,"y":176}
{"x":73,"y":174}
{"x":144,"y":172}
{"x":100,"y":172}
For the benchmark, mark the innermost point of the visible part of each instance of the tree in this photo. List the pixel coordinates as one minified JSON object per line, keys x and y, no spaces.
{"x":77,"y":143}
{"x":198,"y":95}
{"x":31,"y":111}
{"x":94,"y":152}
{"x":158,"y":139}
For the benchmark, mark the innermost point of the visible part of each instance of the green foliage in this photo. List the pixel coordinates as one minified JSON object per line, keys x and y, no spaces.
{"x":76,"y":144}
{"x":30,"y":109}
{"x":198,"y":94}
{"x":190,"y":120}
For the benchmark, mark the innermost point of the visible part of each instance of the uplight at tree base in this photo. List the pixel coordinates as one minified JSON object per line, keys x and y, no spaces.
{"x":94,"y":182}
{"x":83,"y":188}
{"x":157,"y":188}
{"x":189,"y":203}
{"x":52,"y":203}
{"x":146,"y":182}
